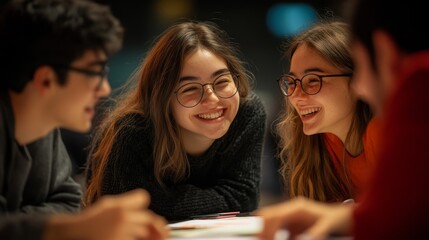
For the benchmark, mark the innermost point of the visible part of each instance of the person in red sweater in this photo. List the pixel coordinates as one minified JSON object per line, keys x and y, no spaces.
{"x":392,"y":74}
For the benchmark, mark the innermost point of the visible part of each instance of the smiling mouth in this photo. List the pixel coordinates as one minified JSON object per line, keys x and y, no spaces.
{"x":309,"y":111}
{"x":211,"y":115}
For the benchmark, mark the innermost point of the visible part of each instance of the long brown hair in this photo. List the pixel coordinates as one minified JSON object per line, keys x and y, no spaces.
{"x":157,"y":78}
{"x":306,"y":166}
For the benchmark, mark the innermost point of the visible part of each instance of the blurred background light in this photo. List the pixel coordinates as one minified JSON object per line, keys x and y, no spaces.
{"x":289,"y":19}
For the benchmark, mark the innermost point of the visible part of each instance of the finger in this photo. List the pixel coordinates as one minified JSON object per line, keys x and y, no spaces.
{"x":134,"y":199}
{"x":320,"y":230}
{"x":157,"y":226}
{"x":144,"y":224}
{"x":337,"y":219}
{"x":270,"y":229}
{"x":291,"y":214}
{"x":160,"y":227}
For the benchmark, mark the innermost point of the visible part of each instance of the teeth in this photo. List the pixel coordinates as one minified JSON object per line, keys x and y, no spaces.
{"x":211,"y":115}
{"x":309,"y":110}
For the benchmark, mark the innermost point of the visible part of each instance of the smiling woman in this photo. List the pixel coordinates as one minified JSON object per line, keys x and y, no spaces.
{"x":190,"y":132}
{"x":326,"y":133}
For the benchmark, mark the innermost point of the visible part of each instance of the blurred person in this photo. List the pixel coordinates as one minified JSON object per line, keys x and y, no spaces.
{"x":190,"y":131}
{"x":53,"y":56}
{"x":327,"y":135}
{"x":392,"y":74}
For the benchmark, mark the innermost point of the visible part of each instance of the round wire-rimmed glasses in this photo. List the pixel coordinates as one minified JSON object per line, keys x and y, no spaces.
{"x":310,"y":83}
{"x":224,"y":86}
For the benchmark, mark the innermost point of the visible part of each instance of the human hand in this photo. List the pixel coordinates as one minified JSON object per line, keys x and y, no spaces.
{"x":304,"y":217}
{"x":123,"y":217}
{"x":115,"y":217}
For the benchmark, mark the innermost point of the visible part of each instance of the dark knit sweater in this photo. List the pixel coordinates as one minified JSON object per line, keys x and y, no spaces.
{"x":225,"y":178}
{"x":34,"y":181}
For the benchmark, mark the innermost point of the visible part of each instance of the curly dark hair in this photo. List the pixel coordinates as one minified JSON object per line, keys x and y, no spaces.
{"x":52,"y":32}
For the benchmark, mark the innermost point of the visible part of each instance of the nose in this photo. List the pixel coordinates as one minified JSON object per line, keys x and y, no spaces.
{"x":298,"y":92}
{"x":105,"y":89}
{"x":209,"y":96}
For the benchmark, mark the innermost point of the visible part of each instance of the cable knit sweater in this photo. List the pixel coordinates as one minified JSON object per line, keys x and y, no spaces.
{"x":225,"y":178}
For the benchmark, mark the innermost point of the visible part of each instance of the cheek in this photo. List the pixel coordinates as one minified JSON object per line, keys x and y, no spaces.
{"x":290,"y":102}
{"x":176,"y":111}
{"x":342,"y":101}
{"x":236,"y":101}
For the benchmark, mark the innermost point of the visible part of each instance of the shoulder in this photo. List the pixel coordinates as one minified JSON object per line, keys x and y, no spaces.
{"x":371,"y":136}
{"x":372,"y":130}
{"x":253,"y":107}
{"x":132,"y":127}
{"x":132,"y":122}
{"x":251,"y":116}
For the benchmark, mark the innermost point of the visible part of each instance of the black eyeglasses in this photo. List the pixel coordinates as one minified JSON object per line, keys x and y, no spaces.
{"x":310,"y":83}
{"x":89,"y":73}
{"x":224,"y":86}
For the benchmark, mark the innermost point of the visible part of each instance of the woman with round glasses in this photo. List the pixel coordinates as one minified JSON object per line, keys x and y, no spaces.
{"x":190,"y":132}
{"x":326,"y":133}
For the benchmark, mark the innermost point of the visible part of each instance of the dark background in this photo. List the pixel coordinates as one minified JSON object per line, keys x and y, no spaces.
{"x":246,"y":24}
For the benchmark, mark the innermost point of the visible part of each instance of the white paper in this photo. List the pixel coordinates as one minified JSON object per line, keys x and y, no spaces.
{"x":233,"y":228}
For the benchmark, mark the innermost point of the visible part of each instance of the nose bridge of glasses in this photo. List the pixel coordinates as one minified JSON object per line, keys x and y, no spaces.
{"x":293,"y":91}
{"x":207,"y":84}
{"x":299,"y":88}
{"x":210,"y":91}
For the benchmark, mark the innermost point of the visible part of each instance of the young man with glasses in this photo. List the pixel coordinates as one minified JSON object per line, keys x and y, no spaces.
{"x":326,"y":133}
{"x":53,"y":56}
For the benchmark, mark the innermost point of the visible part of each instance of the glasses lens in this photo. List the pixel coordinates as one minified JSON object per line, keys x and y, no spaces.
{"x":311,"y":84}
{"x":287,"y":85}
{"x":190,"y":94}
{"x":224,"y":86}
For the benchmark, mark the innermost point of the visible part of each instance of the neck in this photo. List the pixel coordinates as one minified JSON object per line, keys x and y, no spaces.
{"x":195,"y":145}
{"x":351,"y":144}
{"x":31,"y":122}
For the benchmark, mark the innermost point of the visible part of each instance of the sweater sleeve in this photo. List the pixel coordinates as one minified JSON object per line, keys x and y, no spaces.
{"x":22,"y":227}
{"x":226,"y":178}
{"x":61,"y":193}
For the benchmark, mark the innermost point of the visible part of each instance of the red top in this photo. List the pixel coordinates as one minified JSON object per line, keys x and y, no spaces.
{"x":396,"y":205}
{"x":358,"y":167}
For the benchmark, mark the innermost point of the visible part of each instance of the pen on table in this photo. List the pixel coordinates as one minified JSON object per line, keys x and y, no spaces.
{"x":216,"y":215}
{"x":190,"y":227}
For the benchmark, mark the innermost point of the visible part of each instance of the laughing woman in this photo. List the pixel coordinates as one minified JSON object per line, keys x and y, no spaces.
{"x":327,"y":135}
{"x":190,"y":132}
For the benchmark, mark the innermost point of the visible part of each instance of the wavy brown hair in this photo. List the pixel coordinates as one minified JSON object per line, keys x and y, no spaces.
{"x":157,"y":78}
{"x":306,"y":166}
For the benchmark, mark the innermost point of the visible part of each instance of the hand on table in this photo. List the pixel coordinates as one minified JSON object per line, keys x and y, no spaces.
{"x":306,"y":218}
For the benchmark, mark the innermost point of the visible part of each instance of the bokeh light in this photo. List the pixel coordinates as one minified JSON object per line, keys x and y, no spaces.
{"x":289,"y":19}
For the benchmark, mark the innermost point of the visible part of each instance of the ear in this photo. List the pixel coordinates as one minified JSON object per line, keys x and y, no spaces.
{"x":387,"y":57}
{"x":44,"y":79}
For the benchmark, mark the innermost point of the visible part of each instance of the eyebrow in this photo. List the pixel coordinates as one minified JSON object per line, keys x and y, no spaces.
{"x":97,"y":63}
{"x":308,"y":71}
{"x":214,"y":75}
